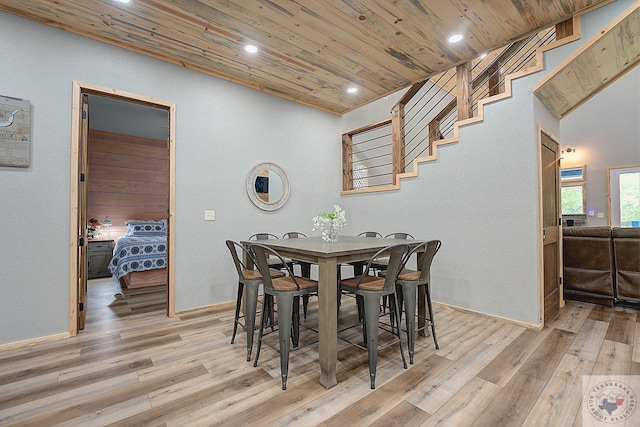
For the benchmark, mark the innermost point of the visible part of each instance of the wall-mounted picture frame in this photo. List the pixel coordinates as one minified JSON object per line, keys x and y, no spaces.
{"x":15,"y":132}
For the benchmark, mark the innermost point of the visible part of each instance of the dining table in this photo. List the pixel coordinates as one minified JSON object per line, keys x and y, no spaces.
{"x":328,"y":256}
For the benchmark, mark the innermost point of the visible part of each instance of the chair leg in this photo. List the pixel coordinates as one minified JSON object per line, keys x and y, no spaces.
{"x":263,"y":324}
{"x":285,"y":308}
{"x":394,"y":312}
{"x":305,"y":270}
{"x":400,"y":297}
{"x":433,"y":324}
{"x":371,"y":313}
{"x":237,"y":317}
{"x":305,"y":303}
{"x":251,"y":304}
{"x":409,"y":297}
{"x":295,"y":324}
{"x":361,"y":316}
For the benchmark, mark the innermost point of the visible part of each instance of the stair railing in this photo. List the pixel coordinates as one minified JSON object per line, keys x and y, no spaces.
{"x":374,"y":155}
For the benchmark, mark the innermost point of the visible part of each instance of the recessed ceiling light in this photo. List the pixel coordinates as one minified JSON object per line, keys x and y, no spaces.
{"x":251,"y":48}
{"x":123,"y":1}
{"x":455,"y":38}
{"x":352,"y":90}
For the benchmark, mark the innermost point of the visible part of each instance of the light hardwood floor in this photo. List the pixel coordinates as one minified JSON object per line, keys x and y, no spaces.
{"x":134,"y":366}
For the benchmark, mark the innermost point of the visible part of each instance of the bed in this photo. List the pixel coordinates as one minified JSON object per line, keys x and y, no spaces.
{"x":140,"y":256}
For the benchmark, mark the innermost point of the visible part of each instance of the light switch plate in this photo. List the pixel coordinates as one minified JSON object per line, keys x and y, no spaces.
{"x":600,"y":214}
{"x":209,"y":215}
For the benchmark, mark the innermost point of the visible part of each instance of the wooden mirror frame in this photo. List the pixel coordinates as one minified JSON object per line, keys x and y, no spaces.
{"x":251,"y":189}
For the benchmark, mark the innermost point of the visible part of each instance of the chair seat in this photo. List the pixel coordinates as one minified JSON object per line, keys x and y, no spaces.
{"x":380,"y":264}
{"x":255,"y":274}
{"x":278,"y":264}
{"x":368,"y":283}
{"x":288,"y":283}
{"x":409,"y":275}
{"x":406,"y":275}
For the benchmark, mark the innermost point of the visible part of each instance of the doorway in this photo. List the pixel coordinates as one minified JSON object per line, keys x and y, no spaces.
{"x":551,"y":246}
{"x":623,"y":196}
{"x":78,"y":218}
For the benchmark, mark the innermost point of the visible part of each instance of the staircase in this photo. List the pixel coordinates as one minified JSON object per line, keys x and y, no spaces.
{"x":379,"y":156}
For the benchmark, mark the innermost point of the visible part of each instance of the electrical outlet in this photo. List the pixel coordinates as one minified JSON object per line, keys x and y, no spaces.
{"x":209,"y":215}
{"x":600,"y":214}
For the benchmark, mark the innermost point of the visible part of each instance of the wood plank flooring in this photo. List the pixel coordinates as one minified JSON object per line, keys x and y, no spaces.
{"x":133,"y":366}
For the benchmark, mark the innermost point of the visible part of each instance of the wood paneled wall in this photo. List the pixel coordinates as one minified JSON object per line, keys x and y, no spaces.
{"x":128,"y":178}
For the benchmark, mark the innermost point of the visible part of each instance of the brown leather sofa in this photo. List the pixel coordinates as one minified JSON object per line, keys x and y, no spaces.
{"x":587,"y":256}
{"x":626,"y":250}
{"x":601,"y":264}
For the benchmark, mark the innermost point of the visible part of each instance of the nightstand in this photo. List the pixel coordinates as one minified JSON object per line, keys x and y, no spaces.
{"x":99,"y":252}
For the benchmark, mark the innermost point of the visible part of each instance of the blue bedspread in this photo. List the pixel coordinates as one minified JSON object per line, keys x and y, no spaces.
{"x":138,"y":254}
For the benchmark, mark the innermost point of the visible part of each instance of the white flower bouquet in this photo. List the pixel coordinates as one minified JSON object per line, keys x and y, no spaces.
{"x":330,"y":224}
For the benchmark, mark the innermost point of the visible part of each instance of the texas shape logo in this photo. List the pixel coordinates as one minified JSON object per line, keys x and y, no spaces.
{"x":611,"y":401}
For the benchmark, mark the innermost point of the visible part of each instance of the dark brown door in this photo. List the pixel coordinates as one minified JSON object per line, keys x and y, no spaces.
{"x":550,"y":224}
{"x":82,"y":215}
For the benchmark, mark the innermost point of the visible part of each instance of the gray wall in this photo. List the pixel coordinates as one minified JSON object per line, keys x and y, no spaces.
{"x":481,"y":196}
{"x":222,"y":131}
{"x":605,"y":133}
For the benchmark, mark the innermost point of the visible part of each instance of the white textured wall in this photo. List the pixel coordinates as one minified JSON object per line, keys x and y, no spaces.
{"x":485,"y":212}
{"x":480,"y":199}
{"x":605,"y":133}
{"x":222,"y":131}
{"x":605,"y":130}
{"x":481,"y":196}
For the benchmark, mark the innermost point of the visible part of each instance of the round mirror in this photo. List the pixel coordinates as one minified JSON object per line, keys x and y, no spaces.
{"x":268,"y":186}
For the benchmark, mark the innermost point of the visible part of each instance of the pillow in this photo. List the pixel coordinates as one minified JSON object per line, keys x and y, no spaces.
{"x":145,"y":228}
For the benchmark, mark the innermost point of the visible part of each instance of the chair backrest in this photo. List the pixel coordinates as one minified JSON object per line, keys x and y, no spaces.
{"x":260,"y":255}
{"x":237,"y":260}
{"x":370,"y":234}
{"x":263,"y":236}
{"x":399,"y":236}
{"x":396,"y":254}
{"x":293,"y":235}
{"x":430,"y":249}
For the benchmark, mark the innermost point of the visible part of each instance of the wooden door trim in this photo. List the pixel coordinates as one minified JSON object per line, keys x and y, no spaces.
{"x":76,"y":114}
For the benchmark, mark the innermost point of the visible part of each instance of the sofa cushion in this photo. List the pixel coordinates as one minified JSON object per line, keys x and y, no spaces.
{"x":588,"y":260}
{"x":626,"y":249}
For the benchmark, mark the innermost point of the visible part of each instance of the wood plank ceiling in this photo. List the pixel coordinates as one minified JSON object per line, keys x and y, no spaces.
{"x":609,"y":55}
{"x":310,"y":51}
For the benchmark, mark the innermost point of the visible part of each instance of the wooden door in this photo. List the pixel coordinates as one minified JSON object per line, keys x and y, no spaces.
{"x":82,"y":214}
{"x":550,"y":224}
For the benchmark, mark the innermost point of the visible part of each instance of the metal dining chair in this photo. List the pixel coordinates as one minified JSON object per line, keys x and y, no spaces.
{"x":249,"y":282}
{"x":358,"y":266}
{"x":368,"y":290}
{"x":380,"y":264}
{"x":410,"y":281}
{"x":305,"y":267}
{"x":273,"y":262}
{"x":285,"y":290}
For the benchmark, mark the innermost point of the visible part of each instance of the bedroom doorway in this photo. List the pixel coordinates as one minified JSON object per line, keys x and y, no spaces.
{"x":127,"y":111}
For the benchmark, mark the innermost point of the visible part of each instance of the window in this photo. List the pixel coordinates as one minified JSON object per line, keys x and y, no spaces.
{"x":572,"y":199}
{"x":624,"y":196}
{"x":572,"y":174}
{"x":572,"y":192}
